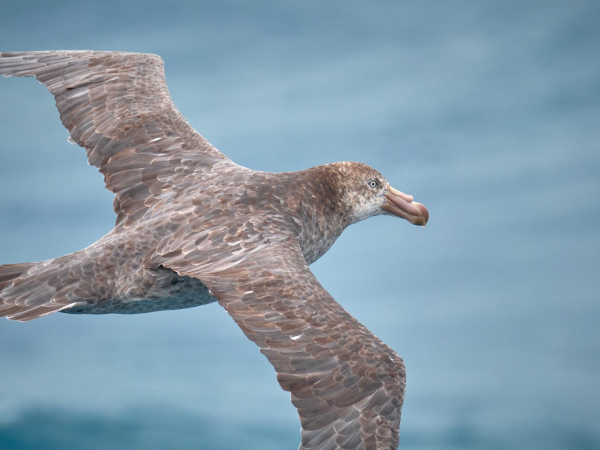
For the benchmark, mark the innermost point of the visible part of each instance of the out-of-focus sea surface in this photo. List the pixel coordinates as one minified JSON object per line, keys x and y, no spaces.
{"x":487,"y":112}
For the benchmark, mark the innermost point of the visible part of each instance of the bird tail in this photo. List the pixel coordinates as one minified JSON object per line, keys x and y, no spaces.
{"x":24,"y":294}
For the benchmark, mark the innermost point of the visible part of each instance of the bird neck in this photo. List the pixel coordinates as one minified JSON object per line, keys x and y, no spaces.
{"x":314,"y":202}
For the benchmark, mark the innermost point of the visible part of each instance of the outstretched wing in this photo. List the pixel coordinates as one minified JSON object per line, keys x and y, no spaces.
{"x":347,"y":385}
{"x":116,"y":105}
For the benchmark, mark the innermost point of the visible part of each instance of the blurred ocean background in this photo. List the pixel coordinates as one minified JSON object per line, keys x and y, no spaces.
{"x":488,"y":112}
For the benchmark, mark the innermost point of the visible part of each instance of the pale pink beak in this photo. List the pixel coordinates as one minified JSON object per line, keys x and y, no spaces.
{"x":402,"y":205}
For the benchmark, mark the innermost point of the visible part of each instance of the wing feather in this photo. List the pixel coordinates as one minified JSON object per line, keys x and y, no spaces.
{"x":117,"y":106}
{"x":347,"y":385}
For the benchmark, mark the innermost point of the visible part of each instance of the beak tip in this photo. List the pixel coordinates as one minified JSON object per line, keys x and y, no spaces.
{"x":424,"y":218}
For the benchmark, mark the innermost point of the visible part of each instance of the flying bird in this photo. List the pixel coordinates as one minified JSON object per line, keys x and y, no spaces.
{"x":193,"y":228}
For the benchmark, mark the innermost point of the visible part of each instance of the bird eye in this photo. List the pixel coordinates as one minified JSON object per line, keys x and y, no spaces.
{"x":374,"y":183}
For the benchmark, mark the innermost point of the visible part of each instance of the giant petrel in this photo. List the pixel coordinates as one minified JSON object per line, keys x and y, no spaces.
{"x":193,"y":227}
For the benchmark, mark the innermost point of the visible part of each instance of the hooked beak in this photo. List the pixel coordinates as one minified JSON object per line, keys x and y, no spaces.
{"x":402,"y":205}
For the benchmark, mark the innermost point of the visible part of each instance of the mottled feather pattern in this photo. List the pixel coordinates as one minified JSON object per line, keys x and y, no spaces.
{"x":193,"y":227}
{"x":347,"y":385}
{"x":117,"y":106}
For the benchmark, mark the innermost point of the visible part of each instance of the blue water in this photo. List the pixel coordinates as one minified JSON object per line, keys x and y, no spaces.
{"x":487,"y":112}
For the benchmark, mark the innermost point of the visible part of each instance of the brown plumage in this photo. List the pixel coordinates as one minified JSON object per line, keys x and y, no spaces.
{"x":193,"y":227}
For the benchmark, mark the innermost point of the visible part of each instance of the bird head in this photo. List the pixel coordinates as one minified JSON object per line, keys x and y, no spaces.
{"x":367,"y":193}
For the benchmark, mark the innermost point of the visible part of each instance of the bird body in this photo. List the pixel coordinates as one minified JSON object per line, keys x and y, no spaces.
{"x":193,"y":228}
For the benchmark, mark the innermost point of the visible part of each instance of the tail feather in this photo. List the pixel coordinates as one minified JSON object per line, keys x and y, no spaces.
{"x":24,"y":295}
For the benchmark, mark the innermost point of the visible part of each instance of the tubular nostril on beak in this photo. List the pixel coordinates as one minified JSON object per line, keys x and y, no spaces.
{"x":405,"y":197}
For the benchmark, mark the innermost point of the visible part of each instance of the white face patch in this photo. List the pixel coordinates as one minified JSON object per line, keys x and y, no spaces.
{"x":365,"y":203}
{"x":363,"y":208}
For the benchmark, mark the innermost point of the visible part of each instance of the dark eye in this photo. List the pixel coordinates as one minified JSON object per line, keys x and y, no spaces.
{"x":374,"y":184}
